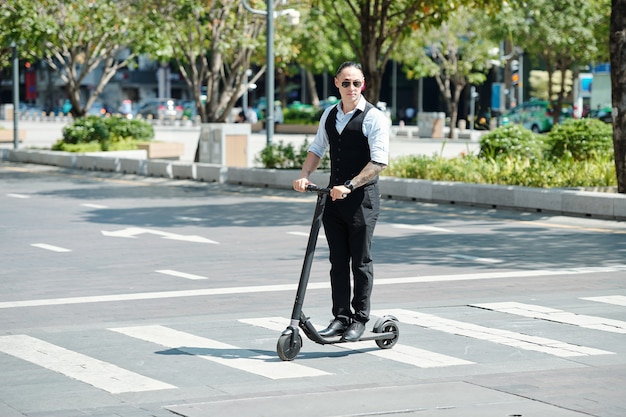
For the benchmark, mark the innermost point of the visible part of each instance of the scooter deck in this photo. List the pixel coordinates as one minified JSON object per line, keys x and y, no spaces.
{"x":367,"y":336}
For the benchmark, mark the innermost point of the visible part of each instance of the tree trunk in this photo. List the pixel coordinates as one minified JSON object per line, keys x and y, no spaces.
{"x":315,"y":99}
{"x":618,"y":86}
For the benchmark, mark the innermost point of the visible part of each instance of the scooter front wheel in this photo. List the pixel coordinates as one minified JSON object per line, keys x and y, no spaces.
{"x":287,"y":350}
{"x":387,"y":324}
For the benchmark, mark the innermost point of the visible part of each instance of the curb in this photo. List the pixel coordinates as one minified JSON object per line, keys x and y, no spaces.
{"x":559,"y":201}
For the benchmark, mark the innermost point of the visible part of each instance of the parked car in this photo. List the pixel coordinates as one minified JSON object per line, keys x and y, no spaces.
{"x":162,"y":108}
{"x":97,"y":109}
{"x":604,"y":114}
{"x":535,"y":115}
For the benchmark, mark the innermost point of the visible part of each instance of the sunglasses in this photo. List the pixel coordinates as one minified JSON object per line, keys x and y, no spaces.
{"x":356,"y":83}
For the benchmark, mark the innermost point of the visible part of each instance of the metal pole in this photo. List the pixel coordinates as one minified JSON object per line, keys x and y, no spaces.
{"x":520,"y":83}
{"x":16,"y":97}
{"x":269,"y":76}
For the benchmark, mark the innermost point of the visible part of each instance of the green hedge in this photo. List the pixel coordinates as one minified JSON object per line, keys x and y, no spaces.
{"x":94,"y":133}
{"x":578,"y":153}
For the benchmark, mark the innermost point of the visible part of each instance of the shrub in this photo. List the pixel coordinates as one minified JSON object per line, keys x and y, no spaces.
{"x":281,"y":156}
{"x":93,"y":133}
{"x":511,"y":141}
{"x":581,"y":139}
{"x":300,"y":116}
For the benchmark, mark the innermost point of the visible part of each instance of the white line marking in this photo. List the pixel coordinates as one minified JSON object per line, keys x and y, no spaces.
{"x":559,"y":316}
{"x":422,"y":227}
{"x":221,"y":353}
{"x":399,"y":353}
{"x":132,"y":232}
{"x":50,"y":247}
{"x":477,"y":259}
{"x":503,"y":337}
{"x":18,"y":195}
{"x":618,"y":300}
{"x":180,"y":274}
{"x":292,"y":287}
{"x":75,"y":365}
{"x":96,"y":206}
{"x":189,"y":219}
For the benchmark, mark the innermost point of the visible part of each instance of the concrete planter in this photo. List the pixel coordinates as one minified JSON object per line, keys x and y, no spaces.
{"x":288,"y":128}
{"x":6,"y":135}
{"x":162,"y":150}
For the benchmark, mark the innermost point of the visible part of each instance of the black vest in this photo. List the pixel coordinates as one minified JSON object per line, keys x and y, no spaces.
{"x":350,"y":150}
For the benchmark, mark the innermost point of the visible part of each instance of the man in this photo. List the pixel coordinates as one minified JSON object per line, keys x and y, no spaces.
{"x":357,"y":134}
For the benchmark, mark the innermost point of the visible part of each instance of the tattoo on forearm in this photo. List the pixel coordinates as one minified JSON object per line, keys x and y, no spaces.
{"x":371,"y":170}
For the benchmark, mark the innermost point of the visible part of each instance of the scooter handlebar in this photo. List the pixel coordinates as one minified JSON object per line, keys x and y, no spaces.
{"x":315,"y":189}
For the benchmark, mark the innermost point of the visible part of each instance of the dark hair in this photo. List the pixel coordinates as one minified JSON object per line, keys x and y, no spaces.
{"x":346,"y":65}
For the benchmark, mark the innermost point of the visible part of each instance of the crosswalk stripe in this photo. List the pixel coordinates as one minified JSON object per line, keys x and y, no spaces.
{"x":619,"y":300}
{"x":218,"y":352}
{"x":399,"y":353}
{"x":97,"y":373}
{"x":503,"y":337}
{"x":559,"y":316}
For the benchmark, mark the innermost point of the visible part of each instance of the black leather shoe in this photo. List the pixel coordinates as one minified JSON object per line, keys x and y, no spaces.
{"x":354,"y":331}
{"x":335,"y":328}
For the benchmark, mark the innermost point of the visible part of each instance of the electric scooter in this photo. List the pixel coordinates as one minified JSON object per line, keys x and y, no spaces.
{"x":385,"y":331}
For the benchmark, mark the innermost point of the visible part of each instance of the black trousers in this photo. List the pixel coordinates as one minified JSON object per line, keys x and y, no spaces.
{"x":349,"y":228}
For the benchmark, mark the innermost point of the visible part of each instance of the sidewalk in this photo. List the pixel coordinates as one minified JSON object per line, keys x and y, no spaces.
{"x":42,"y":135}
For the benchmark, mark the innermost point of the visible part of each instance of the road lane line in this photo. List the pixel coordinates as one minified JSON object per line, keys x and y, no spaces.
{"x":180,"y":274}
{"x":399,"y":353}
{"x":97,"y":373}
{"x":292,"y":287}
{"x":18,"y":195}
{"x":50,"y":247}
{"x":558,"y":316}
{"x":221,"y":353}
{"x":503,"y":337}
{"x":421,"y":227}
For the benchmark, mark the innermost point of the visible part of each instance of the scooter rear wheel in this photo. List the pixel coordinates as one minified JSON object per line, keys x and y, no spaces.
{"x":286,"y":351}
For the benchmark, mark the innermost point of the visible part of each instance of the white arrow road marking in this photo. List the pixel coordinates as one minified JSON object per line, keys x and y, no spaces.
{"x":559,"y":316}
{"x":503,"y":337}
{"x":132,"y":232}
{"x":50,"y":247}
{"x":218,"y":352}
{"x":399,"y":353}
{"x":75,"y":365}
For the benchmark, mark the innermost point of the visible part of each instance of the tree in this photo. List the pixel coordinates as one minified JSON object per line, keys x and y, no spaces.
{"x":375,"y":28}
{"x":618,"y":75}
{"x":561,"y":34}
{"x":81,"y":39}
{"x":214,"y":43}
{"x":454,"y":55}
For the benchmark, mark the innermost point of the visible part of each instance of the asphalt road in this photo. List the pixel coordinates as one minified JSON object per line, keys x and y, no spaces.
{"x":134,"y":296}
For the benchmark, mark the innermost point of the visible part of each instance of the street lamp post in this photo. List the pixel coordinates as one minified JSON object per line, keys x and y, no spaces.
{"x":16,"y":96}
{"x":269,"y":57}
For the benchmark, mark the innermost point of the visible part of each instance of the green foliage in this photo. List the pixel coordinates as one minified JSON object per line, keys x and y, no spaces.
{"x":303,"y":116}
{"x":281,"y":156}
{"x":584,"y":139}
{"x":93,"y":133}
{"x":577,"y":153}
{"x":511,"y":141}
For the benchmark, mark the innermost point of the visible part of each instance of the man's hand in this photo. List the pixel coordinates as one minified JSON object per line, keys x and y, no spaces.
{"x":339,"y":192}
{"x":300,"y":184}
